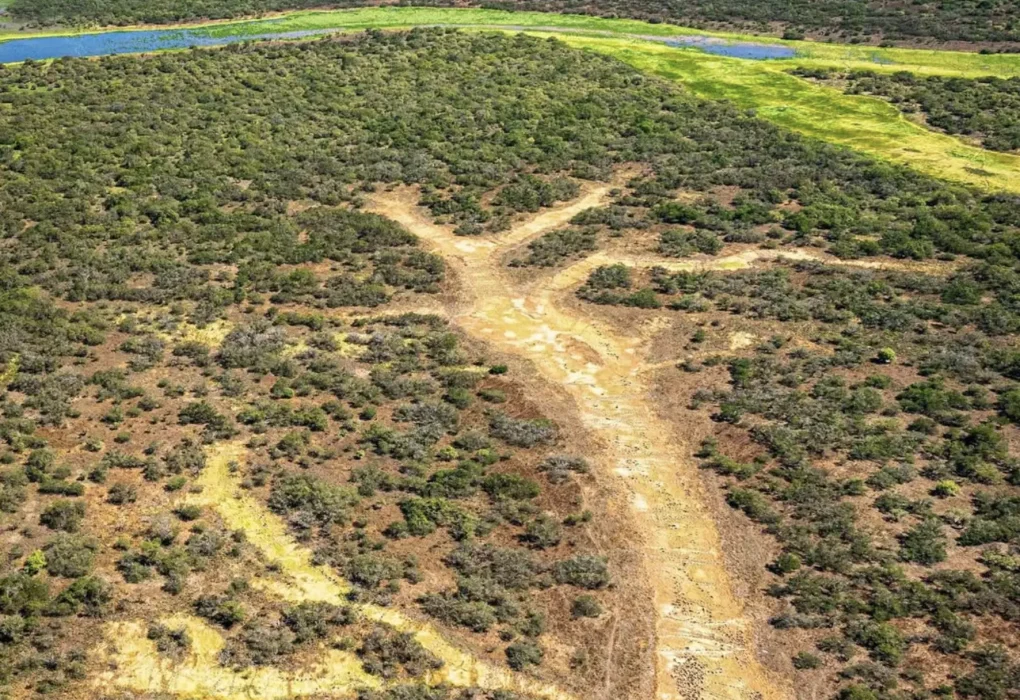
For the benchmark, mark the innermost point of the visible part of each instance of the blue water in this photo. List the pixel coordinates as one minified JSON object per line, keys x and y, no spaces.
{"x":106,"y":43}
{"x":753,"y":51}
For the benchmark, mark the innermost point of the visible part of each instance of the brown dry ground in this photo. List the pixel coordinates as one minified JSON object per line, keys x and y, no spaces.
{"x":704,"y":566}
{"x":704,"y":641}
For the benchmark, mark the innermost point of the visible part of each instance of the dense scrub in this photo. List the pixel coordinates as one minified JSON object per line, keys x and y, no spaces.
{"x":331,"y":115}
{"x":185,"y":262}
{"x":113,"y":12}
{"x":873,"y":437}
{"x":987,"y":109}
{"x":895,"y":564}
{"x":842,"y":20}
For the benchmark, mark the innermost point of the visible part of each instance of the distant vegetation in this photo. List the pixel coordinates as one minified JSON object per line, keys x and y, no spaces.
{"x":186,"y":261}
{"x":111,"y":12}
{"x":987,"y":109}
{"x":841,"y":20}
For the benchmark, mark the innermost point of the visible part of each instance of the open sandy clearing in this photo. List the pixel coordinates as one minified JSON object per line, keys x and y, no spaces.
{"x":577,"y":272}
{"x":704,"y":641}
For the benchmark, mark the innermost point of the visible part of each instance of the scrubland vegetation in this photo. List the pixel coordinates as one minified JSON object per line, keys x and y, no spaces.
{"x":186,"y":263}
{"x":986,"y":109}
{"x":111,"y":12}
{"x":375,"y":439}
{"x":872,"y":437}
{"x":839,"y":20}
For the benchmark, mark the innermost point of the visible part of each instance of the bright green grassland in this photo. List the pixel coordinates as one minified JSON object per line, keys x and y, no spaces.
{"x":866,"y":124}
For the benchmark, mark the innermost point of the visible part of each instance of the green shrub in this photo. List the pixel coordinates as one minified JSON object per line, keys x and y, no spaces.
{"x":423,"y":515}
{"x":524,"y":653}
{"x":122,"y":493}
{"x":804,"y":660}
{"x":883,"y":641}
{"x":753,"y":504}
{"x":787,"y":563}
{"x":559,"y":467}
{"x":172,"y":642}
{"x":585,"y":606}
{"x":583,"y":571}
{"x":886,"y":356}
{"x":521,"y":432}
{"x":89,"y":596}
{"x":1009,"y":405}
{"x":324,"y":502}
{"x":947,"y":488}
{"x":512,"y":569}
{"x":385,"y":651}
{"x":316,"y":620}
{"x":223,"y":610}
{"x":475,"y":615}
{"x":70,"y":556}
{"x":543,"y":532}
{"x":63,"y":515}
{"x":511,"y":486}
{"x":679,"y":243}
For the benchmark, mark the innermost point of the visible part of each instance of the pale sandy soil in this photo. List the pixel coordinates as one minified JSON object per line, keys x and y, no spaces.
{"x":703,"y":640}
{"x":704,"y":646}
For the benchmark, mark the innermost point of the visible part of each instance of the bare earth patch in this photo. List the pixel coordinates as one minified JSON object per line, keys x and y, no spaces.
{"x":704,"y":645}
{"x":138,"y":666}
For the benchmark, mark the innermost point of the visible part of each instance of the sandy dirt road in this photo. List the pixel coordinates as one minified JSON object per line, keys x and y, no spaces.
{"x":704,"y":644}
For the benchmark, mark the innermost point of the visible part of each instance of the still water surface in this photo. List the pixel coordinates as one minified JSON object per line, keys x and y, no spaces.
{"x":141,"y":41}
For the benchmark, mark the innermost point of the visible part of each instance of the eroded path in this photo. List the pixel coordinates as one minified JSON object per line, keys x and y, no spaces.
{"x":704,"y":641}
{"x":576,"y":273}
{"x":336,"y":673}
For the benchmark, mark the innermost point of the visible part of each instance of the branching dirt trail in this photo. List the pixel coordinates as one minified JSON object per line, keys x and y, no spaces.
{"x":578,"y":272}
{"x":704,"y":642}
{"x":336,"y":673}
{"x":704,"y":645}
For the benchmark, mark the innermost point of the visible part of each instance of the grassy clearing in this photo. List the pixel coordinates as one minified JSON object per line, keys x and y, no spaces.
{"x":867,"y":124}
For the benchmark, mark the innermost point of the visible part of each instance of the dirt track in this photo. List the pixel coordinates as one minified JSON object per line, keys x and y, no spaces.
{"x":135,"y":664}
{"x":704,"y":642}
